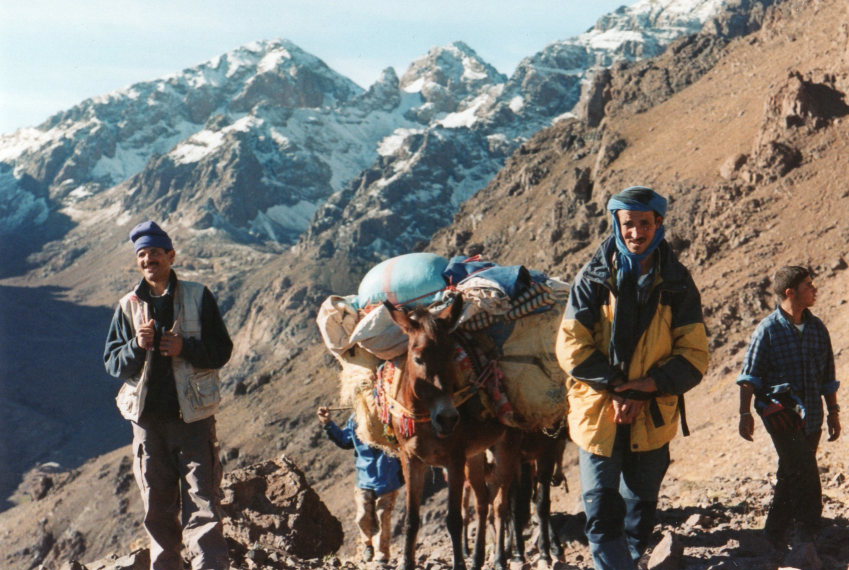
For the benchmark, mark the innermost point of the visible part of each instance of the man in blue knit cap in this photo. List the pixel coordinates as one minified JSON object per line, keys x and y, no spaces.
{"x":632,"y":342}
{"x":166,"y":342}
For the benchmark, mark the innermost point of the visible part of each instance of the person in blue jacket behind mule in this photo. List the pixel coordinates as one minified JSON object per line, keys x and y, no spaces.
{"x":379,"y":477}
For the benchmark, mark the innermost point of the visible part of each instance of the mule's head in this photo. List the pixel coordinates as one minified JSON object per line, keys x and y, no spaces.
{"x":429,"y":376}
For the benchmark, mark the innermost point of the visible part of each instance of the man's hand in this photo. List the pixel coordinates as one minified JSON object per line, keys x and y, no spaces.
{"x":618,"y":402}
{"x":626,"y":411}
{"x":323,"y":415}
{"x":833,"y":423}
{"x":631,"y":409}
{"x":144,"y":336}
{"x":171,"y":344}
{"x":643,"y":384}
{"x":747,"y":426}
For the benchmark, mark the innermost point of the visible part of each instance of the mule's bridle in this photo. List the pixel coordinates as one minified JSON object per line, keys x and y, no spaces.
{"x":388,"y":405}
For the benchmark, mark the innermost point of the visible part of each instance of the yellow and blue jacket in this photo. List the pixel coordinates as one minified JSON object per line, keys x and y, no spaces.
{"x":671,"y":347}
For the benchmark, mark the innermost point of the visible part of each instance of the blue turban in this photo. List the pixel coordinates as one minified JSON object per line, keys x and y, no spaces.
{"x":149,"y":234}
{"x":640,"y":199}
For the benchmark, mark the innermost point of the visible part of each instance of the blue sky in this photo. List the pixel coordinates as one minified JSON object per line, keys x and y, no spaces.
{"x":55,"y":53}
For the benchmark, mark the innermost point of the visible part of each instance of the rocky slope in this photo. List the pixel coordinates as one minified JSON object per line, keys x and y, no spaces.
{"x":743,"y":133}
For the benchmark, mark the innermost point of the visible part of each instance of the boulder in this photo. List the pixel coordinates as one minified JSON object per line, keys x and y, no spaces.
{"x":594,"y":96}
{"x":667,"y":555}
{"x":732,"y":166}
{"x":269,"y":506}
{"x":803,"y":557}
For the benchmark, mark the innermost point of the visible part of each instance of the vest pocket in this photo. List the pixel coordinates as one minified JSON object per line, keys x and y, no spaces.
{"x":128,"y":400}
{"x":203,"y":390}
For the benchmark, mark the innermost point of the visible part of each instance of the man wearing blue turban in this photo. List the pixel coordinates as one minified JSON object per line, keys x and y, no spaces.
{"x":632,"y":342}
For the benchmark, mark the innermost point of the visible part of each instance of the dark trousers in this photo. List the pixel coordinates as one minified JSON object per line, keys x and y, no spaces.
{"x":798,"y":491}
{"x":179,"y":474}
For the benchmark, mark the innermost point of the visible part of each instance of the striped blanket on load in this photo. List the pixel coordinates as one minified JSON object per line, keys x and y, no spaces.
{"x":534,"y":299}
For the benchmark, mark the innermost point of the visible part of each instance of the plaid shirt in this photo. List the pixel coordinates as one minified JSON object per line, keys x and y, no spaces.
{"x":780,"y":354}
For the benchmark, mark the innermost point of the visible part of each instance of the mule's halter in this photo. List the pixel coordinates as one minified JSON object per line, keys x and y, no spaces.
{"x":389,"y":406}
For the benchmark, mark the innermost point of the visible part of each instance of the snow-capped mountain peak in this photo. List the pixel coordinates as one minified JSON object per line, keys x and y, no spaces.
{"x":257,"y":139}
{"x":645,"y":28}
{"x":455,"y":67}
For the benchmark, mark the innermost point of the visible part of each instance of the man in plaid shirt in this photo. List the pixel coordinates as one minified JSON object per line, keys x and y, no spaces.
{"x":789,"y":369}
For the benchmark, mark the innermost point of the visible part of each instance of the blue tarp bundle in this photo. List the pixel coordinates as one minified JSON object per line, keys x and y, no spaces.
{"x":418,"y":279}
{"x":514,"y":279}
{"x":413,"y":279}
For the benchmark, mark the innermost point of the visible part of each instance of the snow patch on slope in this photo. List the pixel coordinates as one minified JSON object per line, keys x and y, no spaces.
{"x":206,"y":142}
{"x":18,"y":207}
{"x":294,"y":219}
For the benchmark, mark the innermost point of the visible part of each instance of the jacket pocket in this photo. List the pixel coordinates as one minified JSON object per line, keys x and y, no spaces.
{"x":203,"y":388}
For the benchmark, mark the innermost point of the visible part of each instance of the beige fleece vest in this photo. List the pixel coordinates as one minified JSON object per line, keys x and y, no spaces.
{"x":198,"y":390}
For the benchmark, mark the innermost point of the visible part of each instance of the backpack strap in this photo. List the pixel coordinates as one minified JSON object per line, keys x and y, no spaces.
{"x":657,"y":417}
{"x":682,"y":409}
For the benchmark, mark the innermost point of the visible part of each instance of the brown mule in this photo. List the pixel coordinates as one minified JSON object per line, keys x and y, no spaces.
{"x":450,"y":430}
{"x":541,"y":457}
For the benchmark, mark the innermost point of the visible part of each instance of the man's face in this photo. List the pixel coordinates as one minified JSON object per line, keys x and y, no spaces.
{"x":805,"y":294}
{"x":638,"y":229}
{"x":155,"y":263}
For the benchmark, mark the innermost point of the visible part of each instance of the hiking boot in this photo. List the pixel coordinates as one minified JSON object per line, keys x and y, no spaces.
{"x":368,"y":553}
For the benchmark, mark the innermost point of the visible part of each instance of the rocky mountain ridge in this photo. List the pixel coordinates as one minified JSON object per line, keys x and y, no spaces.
{"x":252,"y":142}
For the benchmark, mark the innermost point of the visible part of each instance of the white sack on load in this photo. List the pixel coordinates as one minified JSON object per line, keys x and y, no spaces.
{"x":482,"y":295}
{"x":337,"y":318}
{"x":357,"y":381}
{"x":533,"y":380}
{"x":377,"y":333}
{"x":359,"y":372}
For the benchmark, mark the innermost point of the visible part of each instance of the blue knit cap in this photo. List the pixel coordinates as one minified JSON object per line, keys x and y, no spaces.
{"x":640,"y":199}
{"x":149,"y":234}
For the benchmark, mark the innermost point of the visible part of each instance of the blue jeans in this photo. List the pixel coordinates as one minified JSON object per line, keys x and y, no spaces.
{"x":620,"y":500}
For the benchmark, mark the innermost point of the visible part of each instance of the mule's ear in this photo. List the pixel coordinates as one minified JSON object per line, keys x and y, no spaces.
{"x":401,"y":318}
{"x":451,"y":314}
